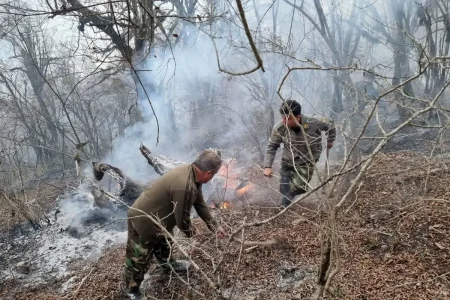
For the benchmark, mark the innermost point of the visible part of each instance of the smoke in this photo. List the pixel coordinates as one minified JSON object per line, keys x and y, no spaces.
{"x":198,"y":107}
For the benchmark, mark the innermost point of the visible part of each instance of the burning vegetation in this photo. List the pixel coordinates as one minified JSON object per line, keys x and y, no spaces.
{"x":221,"y":205}
{"x":227,"y":186}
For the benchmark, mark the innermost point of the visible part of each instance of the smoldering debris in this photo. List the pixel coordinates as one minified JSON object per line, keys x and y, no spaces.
{"x":81,"y":230}
{"x":127,"y":189}
{"x":85,"y":222}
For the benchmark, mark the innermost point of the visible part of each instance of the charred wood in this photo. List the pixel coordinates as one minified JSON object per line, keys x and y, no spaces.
{"x":129,"y":190}
{"x":160,"y":163}
{"x":153,"y":160}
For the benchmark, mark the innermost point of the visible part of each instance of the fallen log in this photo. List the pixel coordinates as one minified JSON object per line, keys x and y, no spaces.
{"x":160,"y":163}
{"x":152,"y":160}
{"x":129,"y":190}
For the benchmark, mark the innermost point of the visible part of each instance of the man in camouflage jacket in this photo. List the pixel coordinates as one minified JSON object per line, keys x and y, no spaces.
{"x":301,"y":137}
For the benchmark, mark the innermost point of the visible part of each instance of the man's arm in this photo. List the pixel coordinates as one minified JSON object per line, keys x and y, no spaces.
{"x":204,"y":213}
{"x":272,"y":147}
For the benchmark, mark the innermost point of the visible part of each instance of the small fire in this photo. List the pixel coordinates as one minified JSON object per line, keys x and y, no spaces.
{"x":222,"y":205}
{"x":225,"y":205}
{"x":243,"y":191}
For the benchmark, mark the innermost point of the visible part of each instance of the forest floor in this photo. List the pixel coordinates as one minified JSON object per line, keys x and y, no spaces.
{"x":394,"y":238}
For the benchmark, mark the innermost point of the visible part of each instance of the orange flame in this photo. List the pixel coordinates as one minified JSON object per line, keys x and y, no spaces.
{"x":243,"y":191}
{"x":225,"y":205}
{"x":222,"y":205}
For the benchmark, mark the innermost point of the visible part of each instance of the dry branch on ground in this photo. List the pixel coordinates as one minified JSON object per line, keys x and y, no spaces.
{"x":394,"y":246}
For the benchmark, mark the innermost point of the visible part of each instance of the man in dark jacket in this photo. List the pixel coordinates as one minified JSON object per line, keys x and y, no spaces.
{"x":301,"y":137}
{"x":169,"y":200}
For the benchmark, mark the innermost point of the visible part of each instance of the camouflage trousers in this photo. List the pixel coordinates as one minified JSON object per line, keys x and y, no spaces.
{"x":139,"y":254}
{"x":294,"y":181}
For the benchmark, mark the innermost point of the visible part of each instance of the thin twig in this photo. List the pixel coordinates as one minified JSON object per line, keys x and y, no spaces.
{"x":84,"y":279}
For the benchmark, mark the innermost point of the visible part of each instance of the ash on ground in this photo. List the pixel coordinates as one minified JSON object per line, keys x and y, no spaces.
{"x":76,"y":229}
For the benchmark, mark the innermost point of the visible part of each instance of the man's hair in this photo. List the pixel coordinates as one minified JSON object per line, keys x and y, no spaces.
{"x":208,"y":161}
{"x":291,"y":106}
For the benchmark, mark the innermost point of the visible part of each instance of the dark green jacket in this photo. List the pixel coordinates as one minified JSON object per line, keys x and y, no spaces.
{"x":170,"y":199}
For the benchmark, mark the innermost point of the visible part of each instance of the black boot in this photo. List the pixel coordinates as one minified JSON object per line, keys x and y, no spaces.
{"x":133,"y":293}
{"x":285,"y":202}
{"x":179,"y":266}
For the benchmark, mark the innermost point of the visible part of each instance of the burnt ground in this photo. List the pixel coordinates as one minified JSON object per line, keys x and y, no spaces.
{"x":394,"y":245}
{"x":41,"y":197}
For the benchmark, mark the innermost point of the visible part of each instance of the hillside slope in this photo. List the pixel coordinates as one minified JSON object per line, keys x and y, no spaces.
{"x":394,"y":245}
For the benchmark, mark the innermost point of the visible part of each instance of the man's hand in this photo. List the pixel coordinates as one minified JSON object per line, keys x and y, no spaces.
{"x":268,"y":172}
{"x":221,"y":233}
{"x":330,"y":145}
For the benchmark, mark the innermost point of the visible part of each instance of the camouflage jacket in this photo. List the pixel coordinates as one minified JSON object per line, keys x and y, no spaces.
{"x":296,"y":143}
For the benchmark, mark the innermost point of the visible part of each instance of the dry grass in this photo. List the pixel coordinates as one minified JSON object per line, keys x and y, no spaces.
{"x":394,"y":241}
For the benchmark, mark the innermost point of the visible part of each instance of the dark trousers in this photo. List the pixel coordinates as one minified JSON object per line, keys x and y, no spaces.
{"x":294,"y":181}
